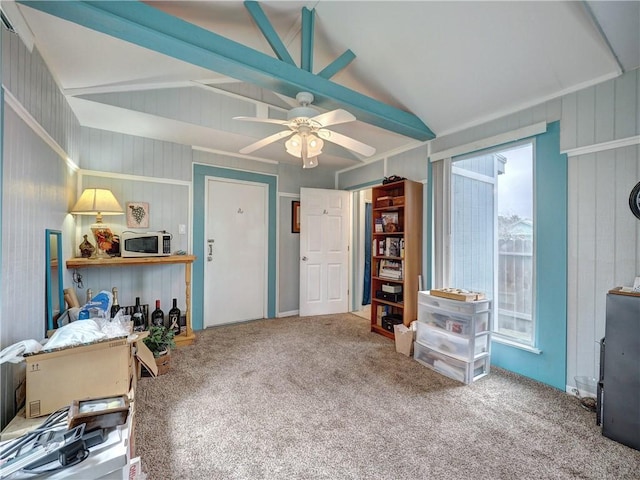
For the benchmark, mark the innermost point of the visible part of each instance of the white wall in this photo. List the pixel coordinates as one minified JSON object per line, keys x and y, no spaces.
{"x":604,"y":247}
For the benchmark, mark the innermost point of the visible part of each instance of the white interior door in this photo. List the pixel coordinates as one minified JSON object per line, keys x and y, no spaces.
{"x":236,"y":240}
{"x":324,"y":251}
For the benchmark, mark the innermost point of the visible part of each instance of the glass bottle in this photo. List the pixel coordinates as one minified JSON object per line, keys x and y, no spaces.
{"x":174,"y":318}
{"x":139,"y":322}
{"x":157,"y":316}
{"x":89,"y":296}
{"x":115,"y":306}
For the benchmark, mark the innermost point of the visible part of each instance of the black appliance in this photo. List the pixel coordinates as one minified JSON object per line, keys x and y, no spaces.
{"x":388,"y":321}
{"x":600,"y":391}
{"x":619,"y":386}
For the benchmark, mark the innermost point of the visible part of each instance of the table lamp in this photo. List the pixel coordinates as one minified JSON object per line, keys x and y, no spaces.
{"x":99,"y":202}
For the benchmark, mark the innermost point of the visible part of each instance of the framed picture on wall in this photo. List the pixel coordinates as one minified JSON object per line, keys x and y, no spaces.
{"x":295,"y":216}
{"x":137,"y":215}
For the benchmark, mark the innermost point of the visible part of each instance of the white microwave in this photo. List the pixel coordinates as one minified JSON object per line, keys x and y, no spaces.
{"x":150,"y":244}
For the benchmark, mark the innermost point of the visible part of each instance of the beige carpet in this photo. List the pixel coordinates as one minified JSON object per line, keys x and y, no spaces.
{"x":323,"y":398}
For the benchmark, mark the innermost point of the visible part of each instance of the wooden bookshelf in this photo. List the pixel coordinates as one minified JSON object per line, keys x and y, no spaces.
{"x":399,"y":202}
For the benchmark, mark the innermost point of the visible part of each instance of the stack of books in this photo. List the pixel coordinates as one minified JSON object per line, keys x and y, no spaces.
{"x":391,"y":269}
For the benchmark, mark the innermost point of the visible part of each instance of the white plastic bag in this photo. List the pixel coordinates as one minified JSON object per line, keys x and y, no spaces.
{"x":75,"y":333}
{"x":13,"y":353}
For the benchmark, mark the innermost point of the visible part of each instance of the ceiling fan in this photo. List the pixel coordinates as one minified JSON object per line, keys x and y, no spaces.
{"x":307,"y":129}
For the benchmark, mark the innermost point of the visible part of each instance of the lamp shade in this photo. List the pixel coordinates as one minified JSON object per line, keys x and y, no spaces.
{"x":98,"y":202}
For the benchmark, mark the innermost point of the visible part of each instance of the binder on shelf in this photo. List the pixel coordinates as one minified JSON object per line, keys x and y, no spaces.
{"x":392,"y":247}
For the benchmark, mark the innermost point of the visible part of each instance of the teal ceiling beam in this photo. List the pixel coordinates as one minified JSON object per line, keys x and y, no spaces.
{"x":308,"y":25}
{"x":148,"y":27}
{"x":268,"y":31}
{"x":338,"y":64}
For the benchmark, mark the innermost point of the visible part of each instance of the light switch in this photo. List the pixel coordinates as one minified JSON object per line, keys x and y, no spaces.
{"x":182,"y":229}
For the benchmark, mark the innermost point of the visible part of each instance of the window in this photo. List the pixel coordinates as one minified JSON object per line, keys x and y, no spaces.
{"x":492,"y":232}
{"x":530,"y":335}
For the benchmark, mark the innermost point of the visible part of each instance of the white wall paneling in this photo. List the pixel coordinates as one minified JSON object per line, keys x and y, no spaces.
{"x":35,"y":194}
{"x":114,"y":152}
{"x":603,"y":246}
{"x":196,"y":105}
{"x":602,"y":113}
{"x":206,"y":157}
{"x":169,"y":206}
{"x":40,"y":133}
{"x":26,"y":76}
{"x":367,"y":174}
{"x":411,"y":164}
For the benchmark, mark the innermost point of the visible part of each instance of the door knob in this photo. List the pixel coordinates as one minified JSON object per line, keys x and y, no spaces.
{"x":304,"y":259}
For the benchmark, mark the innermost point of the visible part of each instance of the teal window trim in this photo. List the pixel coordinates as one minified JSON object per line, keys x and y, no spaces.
{"x":200,"y":172}
{"x":550,"y":239}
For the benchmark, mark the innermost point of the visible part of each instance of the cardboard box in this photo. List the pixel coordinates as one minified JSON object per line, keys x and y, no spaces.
{"x":404,"y":339}
{"x":19,"y":426}
{"x":102,"y":369}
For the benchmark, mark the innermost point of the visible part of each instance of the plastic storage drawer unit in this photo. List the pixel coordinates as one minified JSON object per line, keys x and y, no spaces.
{"x":460,"y":323}
{"x":465,"y":372}
{"x":465,"y":348}
{"x":447,"y":304}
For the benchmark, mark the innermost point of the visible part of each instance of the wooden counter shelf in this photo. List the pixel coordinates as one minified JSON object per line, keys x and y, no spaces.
{"x":184,"y":339}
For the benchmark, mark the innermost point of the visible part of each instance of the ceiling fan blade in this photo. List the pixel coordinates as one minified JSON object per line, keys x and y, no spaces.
{"x":266,"y":141}
{"x":347,"y":142}
{"x":262,"y":120}
{"x":334,"y":117}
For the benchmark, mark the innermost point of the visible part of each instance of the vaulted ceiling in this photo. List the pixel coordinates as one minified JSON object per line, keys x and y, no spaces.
{"x":437,"y":66}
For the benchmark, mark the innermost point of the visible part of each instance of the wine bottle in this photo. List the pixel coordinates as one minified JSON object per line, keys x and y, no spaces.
{"x":157,"y":316}
{"x":115,"y":306}
{"x":174,"y":318}
{"x":139,"y":322}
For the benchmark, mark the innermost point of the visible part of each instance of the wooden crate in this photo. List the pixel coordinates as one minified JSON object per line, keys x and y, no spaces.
{"x":457,"y":294}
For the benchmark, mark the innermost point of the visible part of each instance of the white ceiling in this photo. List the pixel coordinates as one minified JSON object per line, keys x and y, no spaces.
{"x":452,"y":64}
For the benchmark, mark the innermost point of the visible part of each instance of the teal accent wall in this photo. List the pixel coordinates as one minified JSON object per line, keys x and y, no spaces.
{"x":199,"y":187}
{"x":550,"y":237}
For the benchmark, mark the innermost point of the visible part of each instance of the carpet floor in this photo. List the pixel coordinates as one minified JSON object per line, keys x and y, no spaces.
{"x":323,"y":398}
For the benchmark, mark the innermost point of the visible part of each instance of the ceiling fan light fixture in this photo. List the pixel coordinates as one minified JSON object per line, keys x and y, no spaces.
{"x":294,"y":146}
{"x":313,"y":143}
{"x":307,"y":132}
{"x":309,"y":162}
